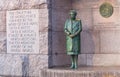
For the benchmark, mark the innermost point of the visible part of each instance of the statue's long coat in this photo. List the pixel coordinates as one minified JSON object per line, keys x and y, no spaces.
{"x":73,"y":27}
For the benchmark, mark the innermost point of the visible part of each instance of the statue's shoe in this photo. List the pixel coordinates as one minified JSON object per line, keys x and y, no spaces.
{"x":72,"y":66}
{"x":75,"y":67}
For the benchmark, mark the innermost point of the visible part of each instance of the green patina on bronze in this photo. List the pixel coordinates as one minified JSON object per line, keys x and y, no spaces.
{"x":72,"y":28}
{"x":106,"y":10}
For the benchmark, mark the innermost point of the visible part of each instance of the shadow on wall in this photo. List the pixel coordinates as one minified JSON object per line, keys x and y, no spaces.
{"x":87,"y":42}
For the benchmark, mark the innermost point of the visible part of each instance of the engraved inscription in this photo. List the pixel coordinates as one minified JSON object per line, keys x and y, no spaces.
{"x":23,"y":31}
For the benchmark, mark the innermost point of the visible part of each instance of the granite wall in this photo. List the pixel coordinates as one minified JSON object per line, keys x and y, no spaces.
{"x":24,"y":64}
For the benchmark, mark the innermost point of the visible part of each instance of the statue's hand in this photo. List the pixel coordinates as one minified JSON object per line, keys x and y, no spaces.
{"x":71,"y":36}
{"x":69,"y":33}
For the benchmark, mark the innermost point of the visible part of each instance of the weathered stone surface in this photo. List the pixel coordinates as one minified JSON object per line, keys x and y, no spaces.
{"x":61,"y":3}
{"x":19,"y":4}
{"x":43,"y":13}
{"x":36,"y":63}
{"x":85,"y":15}
{"x":82,"y":72}
{"x":82,"y":60}
{"x":109,"y":41}
{"x":96,"y":40}
{"x":103,"y":59}
{"x":22,"y":65}
{"x":58,"y":42}
{"x":58,"y":21}
{"x":43,"y":42}
{"x":3,"y":48}
{"x":2,"y":21}
{"x":11,"y":64}
{"x":61,"y":60}
{"x":84,"y":3}
{"x":44,"y":20}
{"x":87,"y":42}
{"x":65,"y":60}
{"x":78,"y":4}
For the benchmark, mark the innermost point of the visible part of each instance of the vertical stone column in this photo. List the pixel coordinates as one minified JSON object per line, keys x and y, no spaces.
{"x":24,"y":64}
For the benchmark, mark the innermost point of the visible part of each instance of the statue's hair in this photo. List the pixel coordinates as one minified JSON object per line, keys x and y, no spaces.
{"x":73,"y":11}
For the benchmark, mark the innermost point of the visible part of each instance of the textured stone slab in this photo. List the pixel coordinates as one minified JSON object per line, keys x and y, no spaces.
{"x":36,"y":63}
{"x":58,"y":21}
{"x":2,"y":21}
{"x":19,"y":4}
{"x":85,"y":15}
{"x":43,"y":20}
{"x":61,"y":60}
{"x":87,"y":42}
{"x":22,"y":65}
{"x":96,"y":40}
{"x":11,"y":64}
{"x":65,"y":60}
{"x":103,"y":59}
{"x":61,"y":3}
{"x":44,"y":13}
{"x":43,"y":42}
{"x":82,"y":72}
{"x":78,"y":4}
{"x":109,"y":41}
{"x":3,"y":48}
{"x":85,"y":4}
{"x":58,"y":42}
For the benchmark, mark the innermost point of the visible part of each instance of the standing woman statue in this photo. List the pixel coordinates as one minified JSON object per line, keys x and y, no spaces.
{"x":72,"y":28}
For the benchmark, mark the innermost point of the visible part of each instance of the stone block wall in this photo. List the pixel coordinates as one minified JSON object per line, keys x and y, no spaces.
{"x":24,"y":64}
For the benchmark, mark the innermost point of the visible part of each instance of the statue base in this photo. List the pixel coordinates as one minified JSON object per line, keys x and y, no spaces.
{"x":82,"y":72}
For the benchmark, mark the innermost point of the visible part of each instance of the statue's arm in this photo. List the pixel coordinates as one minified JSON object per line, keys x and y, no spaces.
{"x":65,"y":28}
{"x":67,"y":32}
{"x":79,"y":30}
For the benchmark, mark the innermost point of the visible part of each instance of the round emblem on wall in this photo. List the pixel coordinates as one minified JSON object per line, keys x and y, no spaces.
{"x":106,"y":10}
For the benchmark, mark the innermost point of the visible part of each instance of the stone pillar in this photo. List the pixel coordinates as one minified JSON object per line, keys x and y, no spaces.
{"x":24,"y":64}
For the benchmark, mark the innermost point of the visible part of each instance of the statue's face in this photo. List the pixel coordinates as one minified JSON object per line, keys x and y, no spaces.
{"x":72,"y":15}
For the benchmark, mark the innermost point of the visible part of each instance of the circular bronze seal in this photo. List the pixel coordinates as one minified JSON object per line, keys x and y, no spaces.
{"x":106,"y":10}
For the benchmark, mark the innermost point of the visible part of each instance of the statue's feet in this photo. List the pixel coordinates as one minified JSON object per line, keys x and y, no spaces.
{"x":75,"y":67}
{"x":72,"y":66}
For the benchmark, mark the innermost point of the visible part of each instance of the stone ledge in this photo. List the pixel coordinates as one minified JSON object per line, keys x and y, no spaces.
{"x":106,"y":27}
{"x":82,"y":72}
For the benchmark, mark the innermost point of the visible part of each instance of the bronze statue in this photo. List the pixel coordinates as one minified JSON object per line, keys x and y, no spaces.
{"x":72,"y":28}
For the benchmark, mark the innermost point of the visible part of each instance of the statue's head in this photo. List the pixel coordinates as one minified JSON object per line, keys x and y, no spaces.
{"x":73,"y":14}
